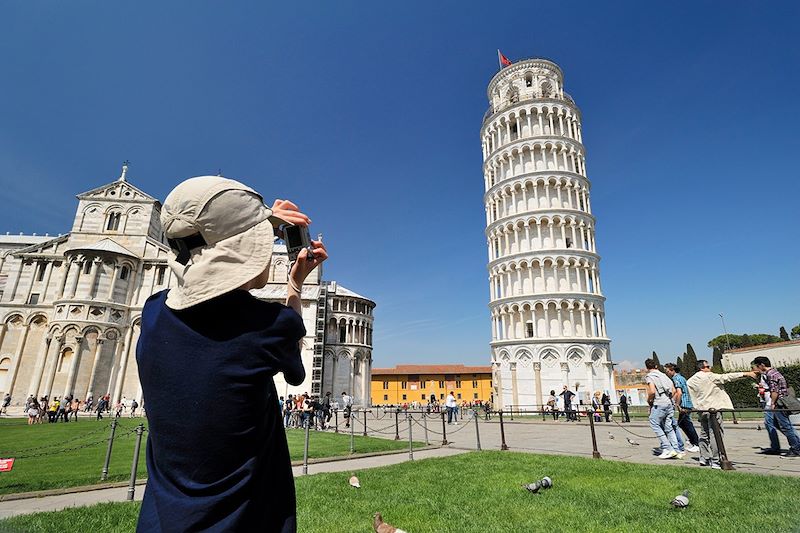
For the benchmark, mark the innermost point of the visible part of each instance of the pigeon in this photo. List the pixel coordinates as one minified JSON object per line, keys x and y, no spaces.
{"x":631,"y":441}
{"x":354,"y":482}
{"x":382,"y":527}
{"x":536,"y":486}
{"x":758,"y":427}
{"x":610,"y":435}
{"x":533,"y":487}
{"x":681,"y":501}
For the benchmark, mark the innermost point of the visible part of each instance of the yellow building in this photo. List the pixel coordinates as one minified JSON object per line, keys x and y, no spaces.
{"x":408,"y":383}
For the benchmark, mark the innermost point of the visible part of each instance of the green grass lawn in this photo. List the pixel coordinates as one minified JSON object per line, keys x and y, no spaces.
{"x":481,"y":492}
{"x":86,"y":441}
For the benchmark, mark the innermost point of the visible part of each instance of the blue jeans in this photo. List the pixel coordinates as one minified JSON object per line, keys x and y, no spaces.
{"x":780,"y":421}
{"x":677,"y":433}
{"x":661,"y":420}
{"x":450,"y":413}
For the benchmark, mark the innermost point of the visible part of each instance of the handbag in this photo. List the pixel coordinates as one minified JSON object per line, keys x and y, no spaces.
{"x":789,"y":403}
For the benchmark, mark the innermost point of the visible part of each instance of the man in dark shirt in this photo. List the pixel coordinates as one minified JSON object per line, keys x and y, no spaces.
{"x":567,"y":396}
{"x":774,"y":418}
{"x":228,"y":470}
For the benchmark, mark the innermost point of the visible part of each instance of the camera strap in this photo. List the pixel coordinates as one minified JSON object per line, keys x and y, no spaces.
{"x":182,"y":246}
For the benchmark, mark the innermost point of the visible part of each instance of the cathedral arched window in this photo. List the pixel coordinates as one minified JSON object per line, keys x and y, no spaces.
{"x":124,"y":272}
{"x":113,"y":221}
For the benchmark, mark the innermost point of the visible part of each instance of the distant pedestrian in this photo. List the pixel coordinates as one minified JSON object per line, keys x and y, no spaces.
{"x":623,"y":405}
{"x":606,"y":402}
{"x":451,"y":405}
{"x":567,"y":396}
{"x":326,"y":410}
{"x":347,"y":405}
{"x":705,"y":388}
{"x":552,"y":404}
{"x":33,"y":411}
{"x":774,"y":418}
{"x":596,"y":406}
{"x":134,"y":407}
{"x":6,"y":403}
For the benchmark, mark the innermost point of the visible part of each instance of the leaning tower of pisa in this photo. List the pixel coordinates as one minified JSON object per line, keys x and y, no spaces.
{"x":547,"y":308}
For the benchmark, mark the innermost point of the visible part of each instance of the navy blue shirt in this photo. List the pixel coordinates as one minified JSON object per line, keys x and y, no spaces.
{"x":217,"y":457}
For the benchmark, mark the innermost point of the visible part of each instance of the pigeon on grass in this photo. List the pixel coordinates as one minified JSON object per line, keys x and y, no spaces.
{"x":382,"y":527}
{"x":354,"y":482}
{"x":681,"y":501}
{"x":536,"y":486}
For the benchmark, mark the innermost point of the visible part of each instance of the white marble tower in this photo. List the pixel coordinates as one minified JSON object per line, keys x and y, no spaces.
{"x":547,"y":308}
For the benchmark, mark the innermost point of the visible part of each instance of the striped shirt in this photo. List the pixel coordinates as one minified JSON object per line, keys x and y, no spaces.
{"x":680,"y":383}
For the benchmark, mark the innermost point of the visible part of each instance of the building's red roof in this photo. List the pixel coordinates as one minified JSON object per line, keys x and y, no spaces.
{"x":762,"y":346}
{"x":432,"y":369}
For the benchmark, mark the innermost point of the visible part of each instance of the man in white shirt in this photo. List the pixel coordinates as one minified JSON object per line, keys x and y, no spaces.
{"x":705,"y":388}
{"x":450,"y":403}
{"x":347,"y":405}
{"x":659,"y":396}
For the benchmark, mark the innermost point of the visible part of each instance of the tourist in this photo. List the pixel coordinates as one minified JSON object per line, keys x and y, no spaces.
{"x":606,"y":402}
{"x":134,"y":406}
{"x":683,"y":400}
{"x":287,"y":410}
{"x":623,"y":404}
{"x":596,"y":406}
{"x":450,"y":405}
{"x":552,"y":404}
{"x":209,"y":329}
{"x":326,"y":410}
{"x":32,"y":411}
{"x":101,"y":406}
{"x":659,"y":397}
{"x":6,"y":403}
{"x":44,"y":408}
{"x":347,"y":405}
{"x":487,"y":410}
{"x":87,"y":406}
{"x":774,"y":418}
{"x":73,"y":409}
{"x":567,"y":396}
{"x":53,"y":411}
{"x":706,"y":392}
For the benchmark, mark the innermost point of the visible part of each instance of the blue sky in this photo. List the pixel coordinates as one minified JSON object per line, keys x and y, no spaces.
{"x":368,"y":117}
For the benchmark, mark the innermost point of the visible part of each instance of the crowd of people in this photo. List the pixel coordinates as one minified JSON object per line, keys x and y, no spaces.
{"x":301,"y":409}
{"x":66,"y":408}
{"x":704,"y":394}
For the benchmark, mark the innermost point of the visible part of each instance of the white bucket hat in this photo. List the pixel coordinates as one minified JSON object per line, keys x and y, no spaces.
{"x":221,"y":236}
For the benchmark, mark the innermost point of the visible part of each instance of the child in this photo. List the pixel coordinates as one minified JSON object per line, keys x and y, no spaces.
{"x":228,"y":467}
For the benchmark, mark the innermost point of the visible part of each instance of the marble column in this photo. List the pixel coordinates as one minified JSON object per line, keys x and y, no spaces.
{"x":38,"y":370}
{"x":17,"y":356}
{"x":95,"y":359}
{"x":589,"y":378}
{"x":537,"y":374}
{"x":55,"y":353}
{"x":123,"y":364}
{"x":73,"y":367}
{"x":498,"y":383}
{"x":565,"y":374}
{"x":514,"y":386}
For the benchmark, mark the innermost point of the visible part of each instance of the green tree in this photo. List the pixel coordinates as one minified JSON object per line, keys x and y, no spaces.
{"x":784,"y":336}
{"x":689,"y":361}
{"x":741,"y":341}
{"x":655,"y":358}
{"x":679,"y":362}
{"x":716,"y":358}
{"x":796,"y":331}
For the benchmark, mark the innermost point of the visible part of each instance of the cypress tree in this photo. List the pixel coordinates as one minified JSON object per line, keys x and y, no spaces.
{"x":784,"y":335}
{"x":689,"y":361}
{"x":716,"y":364}
{"x":679,"y":363}
{"x":655,"y":358}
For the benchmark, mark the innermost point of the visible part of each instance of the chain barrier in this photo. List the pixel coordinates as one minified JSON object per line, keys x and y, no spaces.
{"x":633,"y":432}
{"x":104,"y":440}
{"x":5,"y":453}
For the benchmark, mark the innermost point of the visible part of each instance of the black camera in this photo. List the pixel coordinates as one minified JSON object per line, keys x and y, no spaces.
{"x":296,"y":238}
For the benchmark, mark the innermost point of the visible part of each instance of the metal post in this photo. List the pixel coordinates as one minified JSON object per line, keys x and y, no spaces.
{"x":352,"y":440}
{"x":512,"y":412}
{"x":503,"y":445}
{"x":444,"y":431}
{"x":425,"y":425}
{"x":104,"y":475}
{"x":365,"y":422}
{"x":595,"y":452}
{"x":477,"y":431}
{"x":733,"y":413}
{"x":410,"y":441}
{"x":717,"y":429}
{"x":396,"y":424}
{"x":135,"y":465}
{"x":336,"y":420}
{"x":305,"y":449}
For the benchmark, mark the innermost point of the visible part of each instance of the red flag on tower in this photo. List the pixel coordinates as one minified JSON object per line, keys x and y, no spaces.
{"x":504,"y":61}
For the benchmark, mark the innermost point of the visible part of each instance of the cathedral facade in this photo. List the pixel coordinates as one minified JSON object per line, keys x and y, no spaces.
{"x":70,"y":306}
